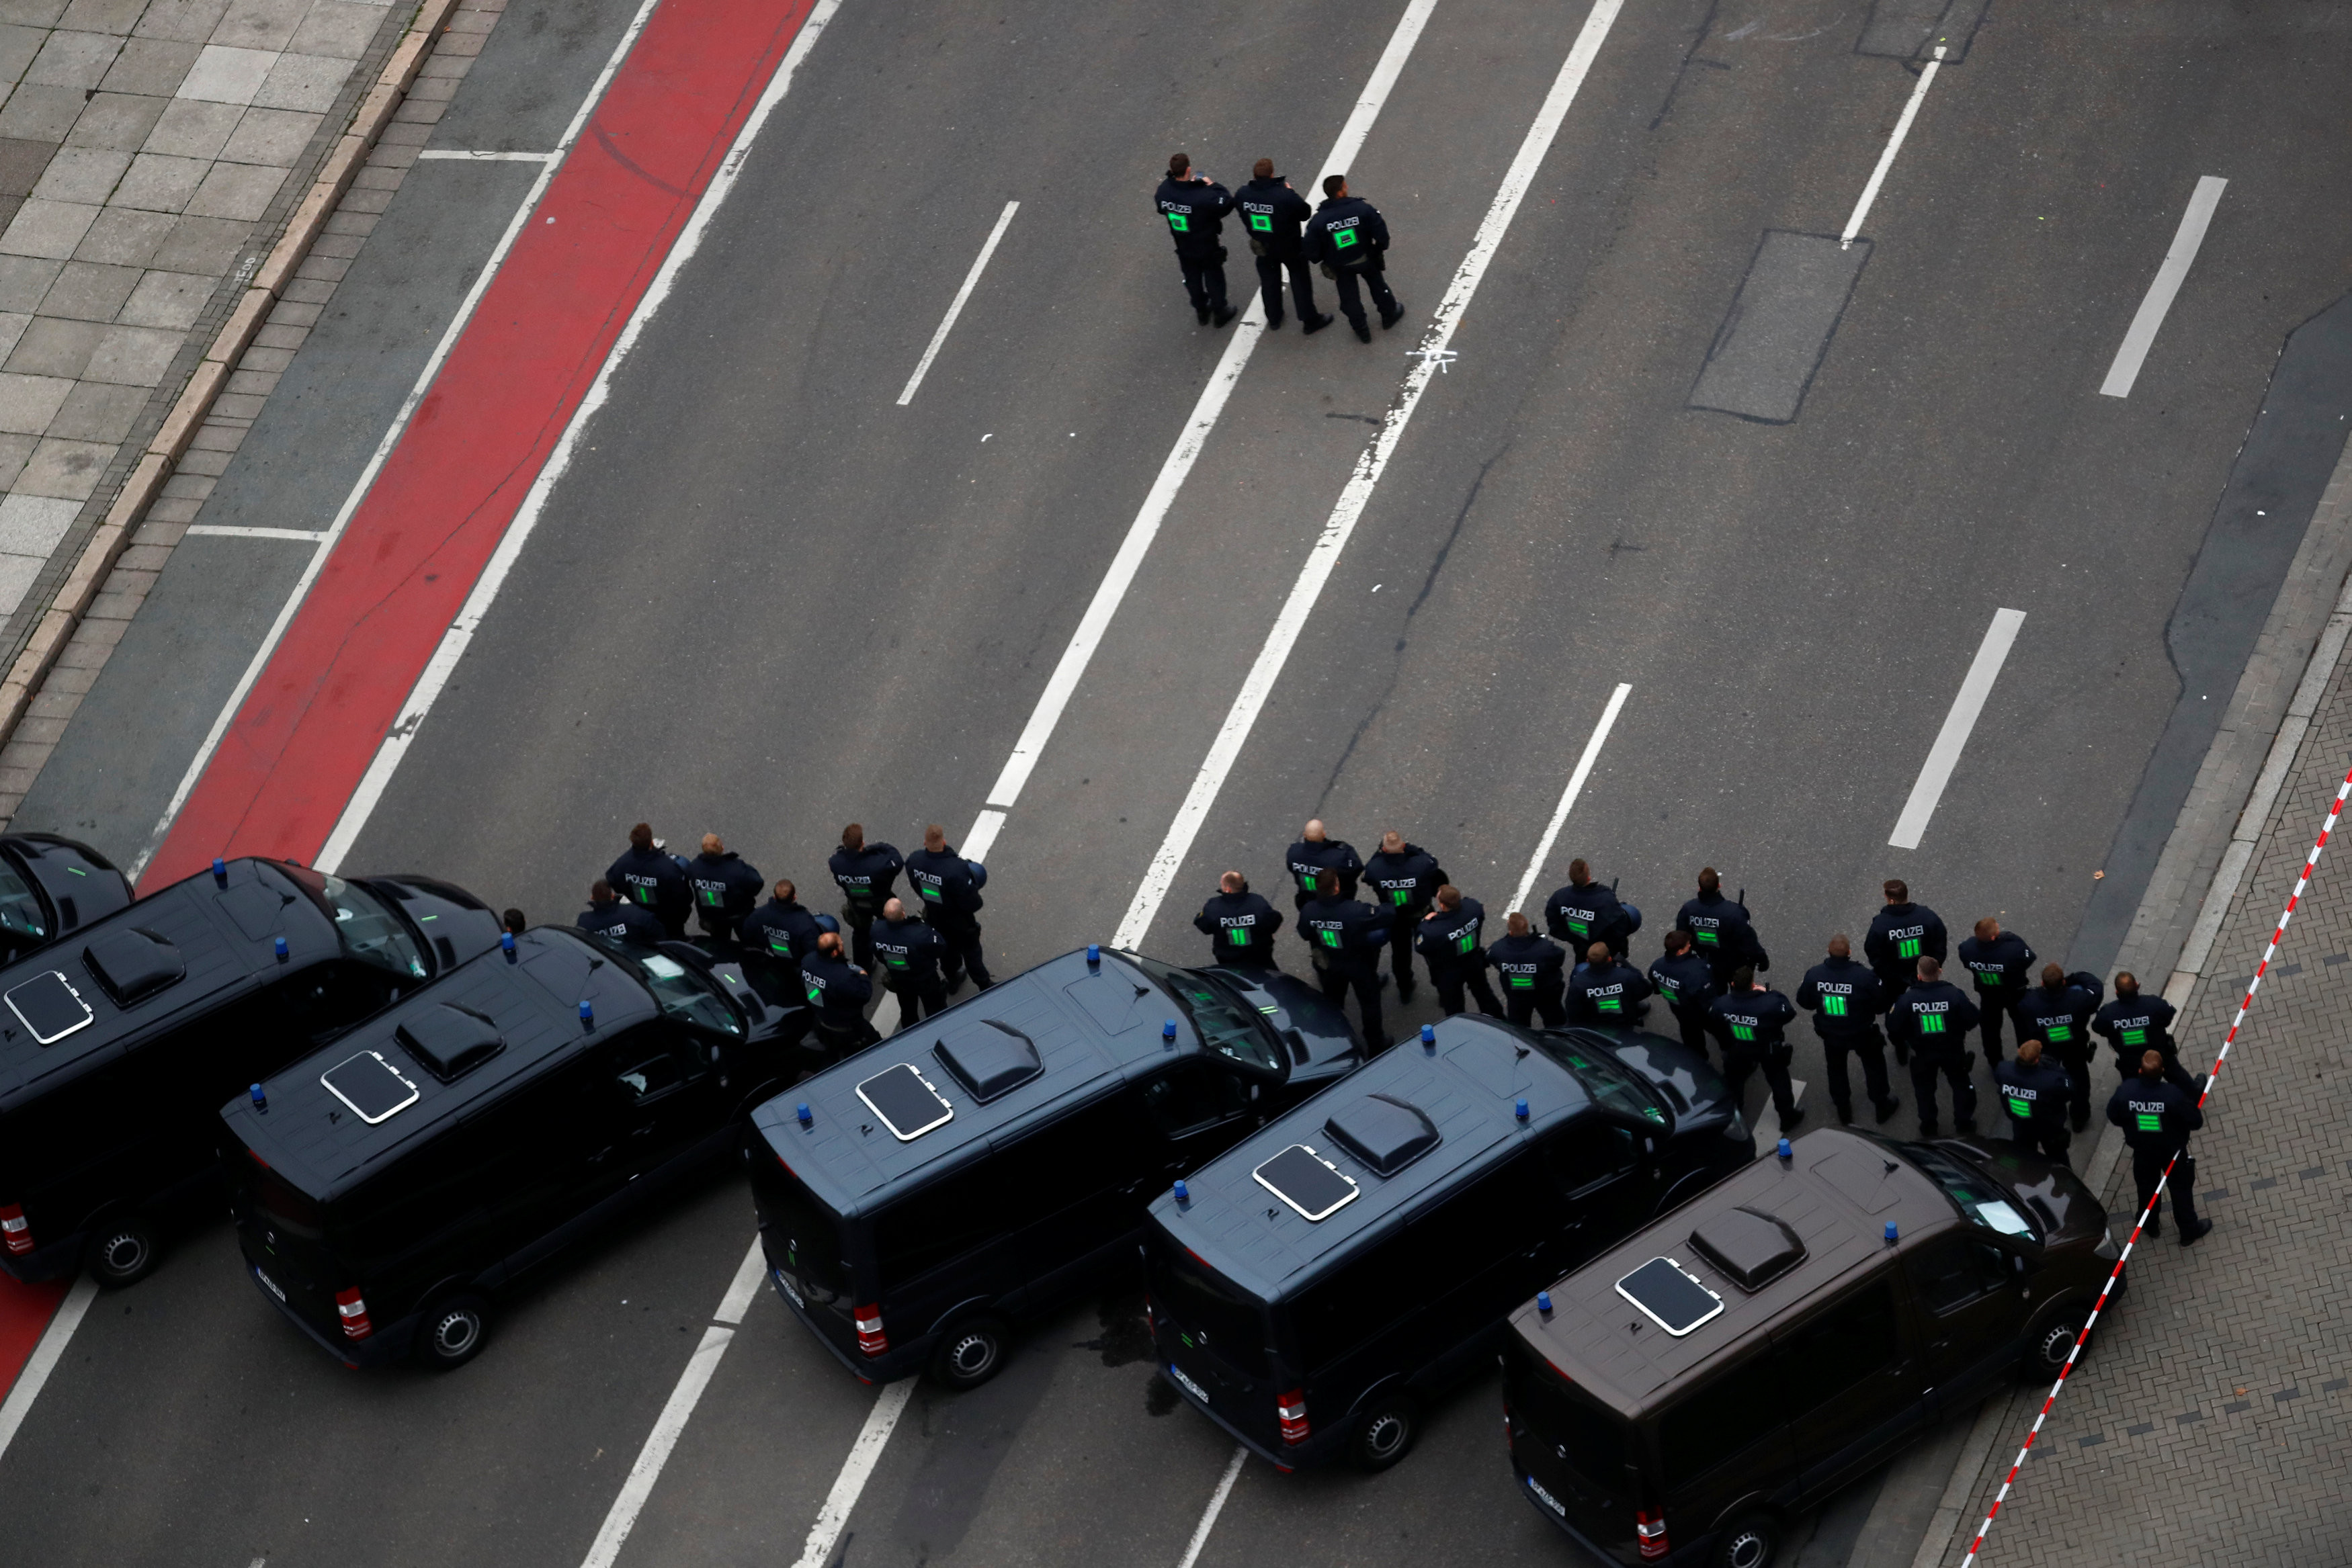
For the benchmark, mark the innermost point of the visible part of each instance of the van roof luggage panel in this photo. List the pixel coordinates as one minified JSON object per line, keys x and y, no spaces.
{"x":1244,"y":1225}
{"x":1606,"y":1339}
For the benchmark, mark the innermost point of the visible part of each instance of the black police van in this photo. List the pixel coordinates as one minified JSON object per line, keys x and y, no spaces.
{"x":1685,"y":1396}
{"x":916,"y":1199}
{"x":386,"y":1188}
{"x":1313,"y":1289}
{"x":50,"y":888}
{"x":118,"y":1045}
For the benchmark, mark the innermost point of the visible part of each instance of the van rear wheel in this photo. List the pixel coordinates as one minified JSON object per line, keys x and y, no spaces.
{"x":453,"y":1332}
{"x":970,"y":1353}
{"x":1752,"y":1542}
{"x":124,"y":1250}
{"x":1385,"y":1432}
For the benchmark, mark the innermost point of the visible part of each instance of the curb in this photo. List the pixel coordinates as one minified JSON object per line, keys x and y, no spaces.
{"x":163,"y":452}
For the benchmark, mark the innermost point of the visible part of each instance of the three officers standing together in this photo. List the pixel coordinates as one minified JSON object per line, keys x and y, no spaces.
{"x":1345,"y":236}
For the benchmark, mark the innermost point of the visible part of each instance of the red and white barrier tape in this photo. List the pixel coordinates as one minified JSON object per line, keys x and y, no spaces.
{"x":2116,"y":1273}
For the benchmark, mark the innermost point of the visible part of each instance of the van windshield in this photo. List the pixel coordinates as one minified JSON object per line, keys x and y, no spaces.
{"x":1228,"y":1324}
{"x":368,"y":928}
{"x":687,"y":994}
{"x":1982,"y":1199}
{"x":1593,"y":1443}
{"x":1609,"y":1081}
{"x":1227,"y":1025}
{"x":21,"y":914}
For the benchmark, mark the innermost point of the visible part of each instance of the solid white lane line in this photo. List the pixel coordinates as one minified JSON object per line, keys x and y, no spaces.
{"x":1320,"y":560}
{"x":471,"y":157}
{"x":1568,"y":796}
{"x":239,"y":531}
{"x":391,"y":438}
{"x":454,"y":643}
{"x":1063,"y":681}
{"x":1893,"y":145}
{"x":1953,"y":738}
{"x":2140,"y":336}
{"x":47,"y":1353}
{"x":955,"y":306}
{"x":1216,"y":1506}
{"x":864,"y":1455}
{"x":750,"y":1275}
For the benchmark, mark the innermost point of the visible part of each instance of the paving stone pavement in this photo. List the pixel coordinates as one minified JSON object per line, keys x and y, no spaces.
{"x":2212,"y":1422}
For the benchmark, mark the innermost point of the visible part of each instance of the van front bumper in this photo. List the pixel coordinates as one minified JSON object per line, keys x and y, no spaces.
{"x":386,"y":1345}
{"x":900,"y":1361}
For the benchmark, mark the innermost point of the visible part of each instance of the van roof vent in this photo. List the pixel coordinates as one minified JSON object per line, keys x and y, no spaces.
{"x":133,"y":964}
{"x":1385,"y":1132}
{"x":449,"y":1041}
{"x":906,"y":1102}
{"x":49,"y":1005}
{"x":1308,"y":1182}
{"x":1753,"y":1248}
{"x":992,"y":1062}
{"x":1669,"y":1296}
{"x":373,"y":1087}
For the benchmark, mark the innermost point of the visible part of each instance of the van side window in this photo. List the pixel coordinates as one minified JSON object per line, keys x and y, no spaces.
{"x":1588,"y":1152}
{"x":1192,"y":1096}
{"x":1740,"y":1408}
{"x":918,"y":1232}
{"x":1854,"y":1339}
{"x":656,"y":1075}
{"x":1955,"y":1271}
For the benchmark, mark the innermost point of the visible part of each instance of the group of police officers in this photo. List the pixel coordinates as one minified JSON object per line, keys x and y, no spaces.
{"x":1345,"y":236}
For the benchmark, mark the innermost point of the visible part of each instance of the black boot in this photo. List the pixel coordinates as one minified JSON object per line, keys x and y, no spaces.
{"x":1363,"y":331}
{"x":1886,"y":1108}
{"x":1274,"y":320}
{"x":2189,"y":1238}
{"x":1845,"y":1115}
{"x":1203,"y":312}
{"x":1391,"y":318}
{"x":1310,"y":325}
{"x":1225,"y":315}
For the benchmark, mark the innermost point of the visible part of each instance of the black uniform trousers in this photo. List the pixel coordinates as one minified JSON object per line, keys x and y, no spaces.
{"x":1953,"y":1063}
{"x":1401,"y":926}
{"x":1204,"y":280}
{"x":1450,"y":982}
{"x":1994,"y":1005}
{"x":2043,"y":1137}
{"x":1350,"y":305}
{"x":2075,"y":1059}
{"x":917,"y":1000}
{"x":843,"y":1037}
{"x":1302,"y":284}
{"x":1524,"y":1002}
{"x":962,"y":938}
{"x":1870,"y":1047}
{"x":1739,"y":1061}
{"x":861,"y":934}
{"x":1693,"y":1026}
{"x":2147,"y":1169}
{"x":1363,"y":979}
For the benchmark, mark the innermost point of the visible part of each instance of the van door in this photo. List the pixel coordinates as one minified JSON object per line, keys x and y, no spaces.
{"x":1082,"y":1183}
{"x":570,"y":1130}
{"x":1967,"y":1293}
{"x":1726,"y":1442}
{"x":1199,"y":1108}
{"x":669,"y":1098}
{"x":1854,"y":1382}
{"x":1595,"y":1165}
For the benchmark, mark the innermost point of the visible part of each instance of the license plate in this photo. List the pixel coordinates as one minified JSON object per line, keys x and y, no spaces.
{"x":270,"y":1284}
{"x":1190,"y":1387}
{"x":784,"y":1283}
{"x":1549,"y":1501}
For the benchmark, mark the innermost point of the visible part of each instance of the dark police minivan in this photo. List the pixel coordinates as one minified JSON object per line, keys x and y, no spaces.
{"x":1314,"y":1287}
{"x":917,"y":1198}
{"x":1683,"y":1397}
{"x":385,"y":1188}
{"x":118,"y":1045}
{"x":50,"y":888}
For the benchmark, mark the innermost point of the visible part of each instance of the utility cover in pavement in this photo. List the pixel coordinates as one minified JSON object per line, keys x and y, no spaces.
{"x":373,"y":1087}
{"x":1669,"y":1297}
{"x":906,"y":1102}
{"x":1780,"y":327}
{"x":50,"y":1007}
{"x":1308,"y":1182}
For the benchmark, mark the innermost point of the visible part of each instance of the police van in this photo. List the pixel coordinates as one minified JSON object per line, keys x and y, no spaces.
{"x":50,"y":888}
{"x":1684,"y":1396}
{"x":387,"y":1188}
{"x":918,"y":1199}
{"x":118,"y":1044}
{"x":1317,"y":1288}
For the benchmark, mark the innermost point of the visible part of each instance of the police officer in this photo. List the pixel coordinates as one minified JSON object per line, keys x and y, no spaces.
{"x":866,"y":874}
{"x":2058,"y":1012}
{"x":1271,"y":213}
{"x":1749,"y":1021}
{"x":1999,"y":963}
{"x":1194,"y":207}
{"x":1901,"y":934}
{"x":1351,"y":240}
{"x":2132,"y":1024}
{"x":1318,"y":851}
{"x":617,"y":920}
{"x":723,"y":887}
{"x":1720,"y":930}
{"x":1404,"y":879}
{"x":911,"y":952}
{"x":648,"y":876}
{"x":837,"y":991}
{"x":1239,"y":924}
{"x":1449,"y":941}
{"x":775,"y":937}
{"x":1531,"y":968}
{"x":1604,"y":989}
{"x":949,"y":887}
{"x":1844,"y":998}
{"x":1686,"y":980}
{"x":2033,"y":1090}
{"x":2157,"y":1115}
{"x":1584,"y":912}
{"x":1346,"y":937}
{"x":1930,"y":1022}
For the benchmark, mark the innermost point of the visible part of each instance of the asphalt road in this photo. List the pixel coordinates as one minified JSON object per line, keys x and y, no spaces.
{"x":767,"y":601}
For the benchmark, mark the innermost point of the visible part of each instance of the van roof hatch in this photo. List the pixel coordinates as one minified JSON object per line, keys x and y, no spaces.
{"x":132,"y":964}
{"x":906,"y":1102}
{"x":1753,"y":1248}
{"x":447,"y":1039}
{"x":990,"y":1063}
{"x":1308,"y":1182}
{"x":373,"y":1087}
{"x":1669,"y":1296}
{"x":1385,"y":1132}
{"x":49,"y":1005}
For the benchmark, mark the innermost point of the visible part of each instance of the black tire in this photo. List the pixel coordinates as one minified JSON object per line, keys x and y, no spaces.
{"x":2049,"y":1343}
{"x":123,"y":1249}
{"x":1385,"y":1432}
{"x":972,"y":1353}
{"x":1752,"y":1542}
{"x":452,"y":1332}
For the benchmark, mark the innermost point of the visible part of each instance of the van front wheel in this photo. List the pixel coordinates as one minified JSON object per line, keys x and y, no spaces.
{"x":1752,"y":1542}
{"x":969,"y":1354}
{"x":1385,"y":1434}
{"x":453,"y":1332}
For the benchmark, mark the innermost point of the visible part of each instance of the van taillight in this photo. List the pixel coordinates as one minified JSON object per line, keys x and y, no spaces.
{"x":870,"y":1337}
{"x":15,"y":1229}
{"x":1292,"y":1409}
{"x":353,"y":1311}
{"x":1650,"y":1534}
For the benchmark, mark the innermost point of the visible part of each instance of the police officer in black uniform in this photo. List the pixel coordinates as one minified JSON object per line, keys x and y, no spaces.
{"x":1844,"y":998}
{"x":1604,"y":989}
{"x":1531,"y":968}
{"x":2000,"y":964}
{"x":1404,"y":879}
{"x":2132,"y":1024}
{"x":2033,"y":1091}
{"x":2058,"y":1012}
{"x":1346,"y":939}
{"x":1686,"y":980}
{"x":1750,"y":1021}
{"x":775,"y":937}
{"x":1239,"y":924}
{"x":1930,"y":1021}
{"x":838,"y":992}
{"x":1901,"y":934}
{"x":2157,"y":1115}
{"x":616,"y":919}
{"x":911,"y":952}
{"x":1194,"y":207}
{"x":1449,"y":943}
{"x":866,"y":874}
{"x":1271,"y":213}
{"x":723,"y":887}
{"x":1351,"y":240}
{"x":1585,"y":912}
{"x":650,"y":877}
{"x":1318,"y":851}
{"x":949,"y":886}
{"x":1721,"y":931}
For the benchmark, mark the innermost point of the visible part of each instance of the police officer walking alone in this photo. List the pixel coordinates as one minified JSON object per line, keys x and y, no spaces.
{"x":648,"y":876}
{"x":2000,"y":964}
{"x":1844,"y":998}
{"x":1318,"y":851}
{"x":1350,"y":239}
{"x":1749,"y":1021}
{"x":2157,"y":1115}
{"x":1194,"y":207}
{"x":1239,"y":924}
{"x":1686,"y":980}
{"x":866,"y":874}
{"x":837,"y":990}
{"x":723,"y":887}
{"x":1346,"y":937}
{"x":1605,"y":990}
{"x":949,"y":886}
{"x":1404,"y":879}
{"x":1930,"y":1021}
{"x":2033,"y":1092}
{"x":2058,"y":1012}
{"x":1271,"y":215}
{"x":1531,"y":968}
{"x":911,"y":952}
{"x":1584,"y":912}
{"x":1901,"y":934}
{"x":1449,"y":941}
